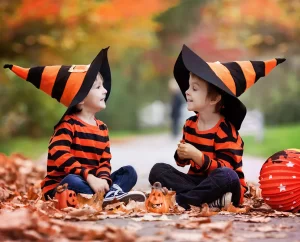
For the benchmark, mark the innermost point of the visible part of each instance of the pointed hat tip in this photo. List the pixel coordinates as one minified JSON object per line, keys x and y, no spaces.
{"x":8,"y":66}
{"x":185,"y":46}
{"x":280,"y":60}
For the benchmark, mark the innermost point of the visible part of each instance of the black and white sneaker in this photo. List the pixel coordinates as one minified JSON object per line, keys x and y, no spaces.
{"x":116,"y":193}
{"x":222,"y":202}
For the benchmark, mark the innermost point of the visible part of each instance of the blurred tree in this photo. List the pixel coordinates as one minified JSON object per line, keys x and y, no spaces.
{"x":259,"y":29}
{"x":45,"y":32}
{"x":177,"y":23}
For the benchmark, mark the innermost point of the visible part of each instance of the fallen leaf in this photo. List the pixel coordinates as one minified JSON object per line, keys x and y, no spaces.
{"x":220,"y":227}
{"x":177,"y":209}
{"x":193,"y":223}
{"x":255,"y":220}
{"x":136,"y":206}
{"x":263,"y":208}
{"x":95,"y":201}
{"x":32,"y":193}
{"x":270,"y":228}
{"x":203,"y":211}
{"x":233,"y":209}
{"x":115,"y":206}
{"x":148,"y":217}
{"x":78,"y":212}
{"x":4,"y":194}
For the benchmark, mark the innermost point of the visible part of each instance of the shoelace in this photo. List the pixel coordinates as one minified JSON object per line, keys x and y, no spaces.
{"x":117,"y":190}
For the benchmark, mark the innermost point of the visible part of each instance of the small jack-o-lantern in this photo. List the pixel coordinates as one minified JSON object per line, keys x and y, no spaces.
{"x":65,"y":197}
{"x":160,"y":199}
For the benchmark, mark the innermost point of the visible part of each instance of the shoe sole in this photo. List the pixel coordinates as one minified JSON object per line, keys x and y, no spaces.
{"x":126,"y":198}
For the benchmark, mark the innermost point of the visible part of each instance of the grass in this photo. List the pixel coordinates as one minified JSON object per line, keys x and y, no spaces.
{"x":275,"y":139}
{"x":29,"y":147}
{"x":34,"y":148}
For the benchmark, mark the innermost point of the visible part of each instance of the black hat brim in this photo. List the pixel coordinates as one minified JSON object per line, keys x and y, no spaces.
{"x":99,"y":64}
{"x":234,"y":110}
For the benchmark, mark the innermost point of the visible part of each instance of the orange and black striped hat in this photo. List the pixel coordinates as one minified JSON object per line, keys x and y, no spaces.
{"x":69,"y":85}
{"x":233,"y":78}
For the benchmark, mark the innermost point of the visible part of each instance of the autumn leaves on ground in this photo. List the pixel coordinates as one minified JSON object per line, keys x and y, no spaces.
{"x":25,"y":216}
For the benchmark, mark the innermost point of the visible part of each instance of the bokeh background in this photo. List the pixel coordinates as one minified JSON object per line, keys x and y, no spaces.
{"x":146,"y":37}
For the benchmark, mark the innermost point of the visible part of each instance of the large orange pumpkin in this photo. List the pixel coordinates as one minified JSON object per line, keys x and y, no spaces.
{"x":159,"y":200}
{"x":65,"y":197}
{"x":280,"y":180}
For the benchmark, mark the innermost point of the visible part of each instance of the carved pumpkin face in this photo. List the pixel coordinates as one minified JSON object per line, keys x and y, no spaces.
{"x":159,"y":200}
{"x":65,"y":197}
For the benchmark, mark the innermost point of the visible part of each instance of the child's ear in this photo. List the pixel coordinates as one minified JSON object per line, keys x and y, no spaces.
{"x":81,"y":103}
{"x":216,"y":100}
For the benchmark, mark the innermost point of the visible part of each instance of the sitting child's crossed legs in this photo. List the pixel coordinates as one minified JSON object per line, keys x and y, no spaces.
{"x":196,"y":190}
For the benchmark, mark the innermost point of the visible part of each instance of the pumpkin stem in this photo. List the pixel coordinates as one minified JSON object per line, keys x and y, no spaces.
{"x":62,"y":188}
{"x":157,"y":185}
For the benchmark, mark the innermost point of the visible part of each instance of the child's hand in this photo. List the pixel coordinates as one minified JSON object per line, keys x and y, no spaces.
{"x":188,"y":151}
{"x":97,"y":184}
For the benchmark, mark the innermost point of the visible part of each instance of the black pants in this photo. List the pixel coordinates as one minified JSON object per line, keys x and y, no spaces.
{"x":196,"y":190}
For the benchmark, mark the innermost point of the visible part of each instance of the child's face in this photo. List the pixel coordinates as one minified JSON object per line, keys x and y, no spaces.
{"x":196,"y":94}
{"x":94,"y":101}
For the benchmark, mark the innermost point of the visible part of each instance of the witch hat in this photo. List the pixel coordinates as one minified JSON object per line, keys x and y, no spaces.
{"x":69,"y":85}
{"x":234,"y":78}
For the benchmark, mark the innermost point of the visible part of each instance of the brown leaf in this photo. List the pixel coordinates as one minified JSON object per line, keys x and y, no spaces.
{"x":94,"y":201}
{"x":136,"y":206}
{"x":233,"y":209}
{"x":32,"y":193}
{"x":177,"y":210}
{"x":255,"y":191}
{"x":148,"y":217}
{"x":204,"y":211}
{"x":32,"y":235}
{"x":193,"y":223}
{"x":263,"y":208}
{"x":16,"y":220}
{"x":116,"y":207}
{"x":270,"y":228}
{"x":170,"y":198}
{"x":79,"y":212}
{"x":5,"y":194}
{"x":220,"y":227}
{"x":255,"y":220}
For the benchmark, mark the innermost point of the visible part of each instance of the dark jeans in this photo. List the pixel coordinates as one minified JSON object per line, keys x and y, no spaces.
{"x":125,"y":177}
{"x":196,"y":190}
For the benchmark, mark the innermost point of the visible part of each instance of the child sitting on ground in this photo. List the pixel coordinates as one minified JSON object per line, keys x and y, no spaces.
{"x":211,"y":144}
{"x":79,"y":150}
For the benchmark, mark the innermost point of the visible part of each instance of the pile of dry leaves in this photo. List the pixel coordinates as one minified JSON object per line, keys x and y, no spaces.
{"x":25,"y":216}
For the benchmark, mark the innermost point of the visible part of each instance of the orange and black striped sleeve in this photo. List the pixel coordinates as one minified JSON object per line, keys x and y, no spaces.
{"x":59,"y":149}
{"x":104,"y":168}
{"x":179,"y":161}
{"x":229,"y":148}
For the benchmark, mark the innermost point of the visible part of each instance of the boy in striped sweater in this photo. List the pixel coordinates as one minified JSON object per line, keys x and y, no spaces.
{"x":79,"y":150}
{"x":211,"y":144}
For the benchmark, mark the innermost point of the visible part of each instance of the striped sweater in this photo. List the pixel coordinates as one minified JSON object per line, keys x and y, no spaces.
{"x":77,"y":148}
{"x":221,"y":146}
